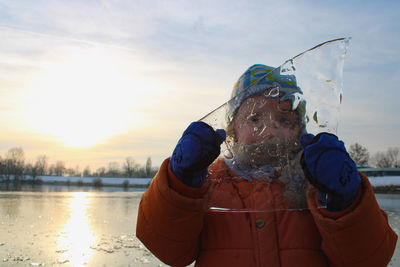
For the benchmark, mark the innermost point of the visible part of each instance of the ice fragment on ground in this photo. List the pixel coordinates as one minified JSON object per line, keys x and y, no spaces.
{"x":144,"y":260}
{"x":37,"y":264}
{"x":62,"y":261}
{"x":18,"y":258}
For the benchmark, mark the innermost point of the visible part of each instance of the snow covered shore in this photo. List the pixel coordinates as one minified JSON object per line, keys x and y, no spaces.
{"x":379,"y":181}
{"x":375,"y":181}
{"x":93,"y":181}
{"x":384,"y":180}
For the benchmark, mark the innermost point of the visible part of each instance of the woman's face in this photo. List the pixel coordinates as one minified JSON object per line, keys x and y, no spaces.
{"x":260,"y":118}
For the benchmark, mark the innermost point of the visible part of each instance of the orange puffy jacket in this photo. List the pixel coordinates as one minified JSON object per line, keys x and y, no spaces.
{"x":173,"y":224}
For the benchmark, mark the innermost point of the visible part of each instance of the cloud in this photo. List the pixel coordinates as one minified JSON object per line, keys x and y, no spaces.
{"x":187,"y":55}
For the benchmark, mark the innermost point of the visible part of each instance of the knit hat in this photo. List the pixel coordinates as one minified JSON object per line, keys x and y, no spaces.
{"x":256,"y":80}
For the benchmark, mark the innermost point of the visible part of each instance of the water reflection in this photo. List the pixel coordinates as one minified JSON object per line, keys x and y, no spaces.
{"x":77,"y":236}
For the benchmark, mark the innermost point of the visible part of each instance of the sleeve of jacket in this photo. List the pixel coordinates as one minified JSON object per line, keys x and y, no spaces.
{"x":357,"y":236}
{"x":170,"y":218}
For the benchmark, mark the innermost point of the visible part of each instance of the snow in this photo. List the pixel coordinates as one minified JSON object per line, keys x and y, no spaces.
{"x":375,"y":181}
{"x":384,"y":180}
{"x":91,"y":180}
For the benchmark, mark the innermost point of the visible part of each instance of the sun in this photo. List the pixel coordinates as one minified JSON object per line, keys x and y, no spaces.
{"x":83,"y":98}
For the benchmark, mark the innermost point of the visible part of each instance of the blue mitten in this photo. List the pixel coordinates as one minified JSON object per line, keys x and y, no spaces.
{"x":328,"y":167}
{"x":198,"y":147}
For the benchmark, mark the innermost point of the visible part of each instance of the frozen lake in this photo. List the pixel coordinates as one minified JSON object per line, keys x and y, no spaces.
{"x":71,"y":229}
{"x":54,"y":227}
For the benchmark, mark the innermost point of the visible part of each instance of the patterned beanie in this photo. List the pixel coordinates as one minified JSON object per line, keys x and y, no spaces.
{"x":259,"y":78}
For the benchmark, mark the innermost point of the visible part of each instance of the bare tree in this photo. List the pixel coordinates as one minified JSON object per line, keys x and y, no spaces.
{"x":393,"y":154}
{"x":101,"y":172}
{"x":2,"y":167}
{"x":41,"y":165}
{"x":15,"y":161}
{"x":70,"y":172}
{"x":77,"y":171}
{"x":148,"y":167}
{"x":60,"y":168}
{"x":51,"y":170}
{"x":113,"y":169}
{"x":381,"y":160}
{"x":387,"y":159}
{"x":359,"y":154}
{"x":87,"y":172}
{"x":129,"y":167}
{"x":30,"y":169}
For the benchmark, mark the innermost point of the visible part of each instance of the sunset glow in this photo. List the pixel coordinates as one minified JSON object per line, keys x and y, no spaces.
{"x":77,"y":236}
{"x":84,"y":98}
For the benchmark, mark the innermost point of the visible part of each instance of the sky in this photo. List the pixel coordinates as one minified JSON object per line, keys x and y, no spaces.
{"x":89,"y":82}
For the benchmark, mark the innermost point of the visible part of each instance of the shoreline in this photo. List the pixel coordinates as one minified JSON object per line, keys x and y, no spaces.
{"x":387,"y":189}
{"x":97,"y":182}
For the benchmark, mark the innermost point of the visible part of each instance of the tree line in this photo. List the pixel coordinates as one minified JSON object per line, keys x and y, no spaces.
{"x":13,"y":164}
{"x":385,"y":159}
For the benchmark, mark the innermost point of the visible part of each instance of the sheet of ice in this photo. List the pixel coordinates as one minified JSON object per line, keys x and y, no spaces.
{"x":71,"y":229}
{"x":318,"y":73}
{"x":265,"y":120}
